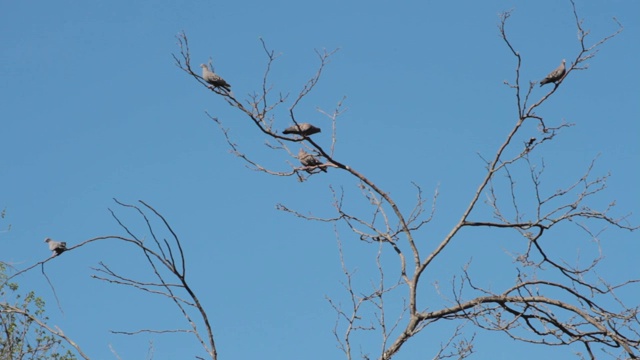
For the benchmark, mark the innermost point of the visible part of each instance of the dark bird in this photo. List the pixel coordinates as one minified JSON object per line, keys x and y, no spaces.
{"x":307,"y":159}
{"x":530,"y":142}
{"x":555,"y":75}
{"x":55,"y":246}
{"x":213,"y":78}
{"x":302,"y":129}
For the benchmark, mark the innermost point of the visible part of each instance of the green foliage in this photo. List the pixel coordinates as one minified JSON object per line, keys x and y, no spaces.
{"x":21,"y":337}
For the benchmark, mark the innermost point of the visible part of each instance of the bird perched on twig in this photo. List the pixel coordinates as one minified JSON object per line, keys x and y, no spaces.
{"x":55,"y":246}
{"x":213,"y":78}
{"x":307,"y":159}
{"x":530,"y":142}
{"x":555,"y":75}
{"x":302,"y":129}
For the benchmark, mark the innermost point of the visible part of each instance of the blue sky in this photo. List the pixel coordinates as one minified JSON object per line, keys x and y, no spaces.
{"x":92,"y":108}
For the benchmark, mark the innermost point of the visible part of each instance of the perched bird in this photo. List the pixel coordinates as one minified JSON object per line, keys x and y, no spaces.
{"x":303,"y":129}
{"x":307,"y":159}
{"x":528,"y":144}
{"x":555,"y":75}
{"x":213,"y":78}
{"x":57,"y":247}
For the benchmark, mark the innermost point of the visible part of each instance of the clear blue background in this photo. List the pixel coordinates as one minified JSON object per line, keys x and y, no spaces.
{"x":92,"y":107}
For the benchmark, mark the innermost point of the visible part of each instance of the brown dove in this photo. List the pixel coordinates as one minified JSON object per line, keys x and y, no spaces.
{"x":303,"y":129}
{"x":307,"y":159}
{"x":213,"y":78}
{"x":55,"y":246}
{"x":555,"y":75}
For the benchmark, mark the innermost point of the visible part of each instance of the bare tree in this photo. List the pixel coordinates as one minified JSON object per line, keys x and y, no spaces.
{"x":550,"y":303}
{"x":161,"y":248}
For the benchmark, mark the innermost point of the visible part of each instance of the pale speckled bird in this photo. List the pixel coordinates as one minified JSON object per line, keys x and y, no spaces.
{"x":213,"y":78}
{"x":55,"y":246}
{"x":555,"y":75}
{"x":307,"y":159}
{"x":302,"y":129}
